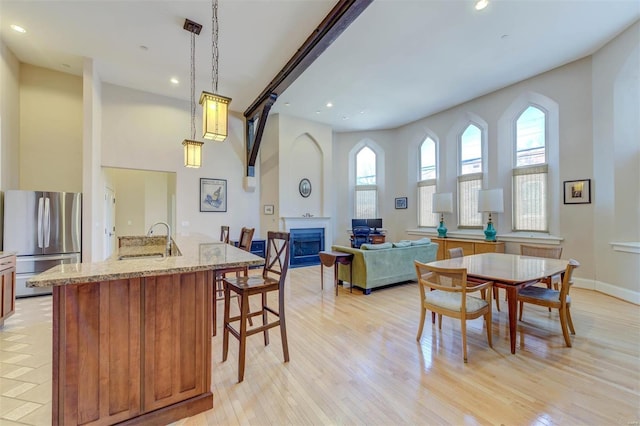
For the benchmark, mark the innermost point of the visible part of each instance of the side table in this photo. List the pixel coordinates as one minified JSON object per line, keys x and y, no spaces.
{"x":332,"y":258}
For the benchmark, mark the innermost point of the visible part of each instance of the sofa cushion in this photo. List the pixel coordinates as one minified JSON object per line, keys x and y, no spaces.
{"x":376,"y":246}
{"x":421,"y":241}
{"x":403,"y":243}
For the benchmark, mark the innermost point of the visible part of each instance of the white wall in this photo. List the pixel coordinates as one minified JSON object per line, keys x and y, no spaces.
{"x":145,"y":131}
{"x":616,"y":163}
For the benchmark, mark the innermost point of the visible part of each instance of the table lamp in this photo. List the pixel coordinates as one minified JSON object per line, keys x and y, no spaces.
{"x":490,"y":201}
{"x":442,"y":203}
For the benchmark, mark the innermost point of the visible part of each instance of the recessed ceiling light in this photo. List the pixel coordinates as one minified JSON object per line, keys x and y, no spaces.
{"x":361,"y":112}
{"x":481,"y":4}
{"x":174,"y":80}
{"x":143,"y":47}
{"x":18,"y":28}
{"x":344,"y":117}
{"x":318,"y":112}
{"x":287,"y":104}
{"x":329,"y":104}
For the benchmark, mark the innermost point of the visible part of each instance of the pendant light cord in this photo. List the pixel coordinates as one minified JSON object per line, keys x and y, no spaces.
{"x":214,"y":46}
{"x":193,"y":86}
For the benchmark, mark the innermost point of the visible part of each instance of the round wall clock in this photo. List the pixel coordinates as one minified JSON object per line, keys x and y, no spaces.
{"x":304,"y":187}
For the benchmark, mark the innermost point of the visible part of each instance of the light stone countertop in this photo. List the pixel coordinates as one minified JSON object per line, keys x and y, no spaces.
{"x":199,"y":253}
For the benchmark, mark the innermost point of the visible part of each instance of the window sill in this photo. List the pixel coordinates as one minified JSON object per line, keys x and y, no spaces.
{"x":513,"y":237}
{"x":628,"y":247}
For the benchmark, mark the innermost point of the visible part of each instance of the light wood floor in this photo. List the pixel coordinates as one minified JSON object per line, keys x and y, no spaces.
{"x":355,"y":360}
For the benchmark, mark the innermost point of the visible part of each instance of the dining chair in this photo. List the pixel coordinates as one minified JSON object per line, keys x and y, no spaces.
{"x":224,"y":234}
{"x":450,"y":295}
{"x":455,"y":252}
{"x":556,"y":299}
{"x":549,"y":252}
{"x":458,"y":252}
{"x":272,"y":279}
{"x":244,"y":243}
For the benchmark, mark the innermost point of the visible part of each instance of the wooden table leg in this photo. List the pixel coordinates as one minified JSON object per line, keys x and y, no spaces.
{"x":335,"y":276}
{"x":321,"y":276}
{"x":512,"y":303}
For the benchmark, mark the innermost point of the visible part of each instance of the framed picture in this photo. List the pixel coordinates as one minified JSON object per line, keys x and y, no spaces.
{"x":577,"y":191}
{"x":268,"y":209}
{"x":213,"y":195}
{"x":401,"y":203}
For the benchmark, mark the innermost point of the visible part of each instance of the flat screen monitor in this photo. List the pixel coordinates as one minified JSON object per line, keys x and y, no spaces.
{"x":358,"y":222}
{"x":375,"y":224}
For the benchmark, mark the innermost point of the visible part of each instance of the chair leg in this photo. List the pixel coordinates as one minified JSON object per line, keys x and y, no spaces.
{"x":244,"y":310}
{"x":225,"y":324}
{"x":283,"y":333}
{"x":563,"y":323}
{"x":520,"y":310}
{"x":573,"y":330}
{"x":214,"y":312}
{"x":440,"y":321}
{"x":463,"y":331}
{"x":423,"y":314}
{"x":496,"y":296}
{"x":488,"y":320}
{"x":264,"y":318}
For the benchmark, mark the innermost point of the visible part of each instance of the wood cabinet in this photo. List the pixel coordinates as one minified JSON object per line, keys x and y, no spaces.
{"x":468,"y":246}
{"x":7,"y":286}
{"x":377,"y":238}
{"x":135,"y":350}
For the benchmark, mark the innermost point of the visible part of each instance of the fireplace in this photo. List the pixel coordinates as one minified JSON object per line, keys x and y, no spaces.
{"x":305,"y":245}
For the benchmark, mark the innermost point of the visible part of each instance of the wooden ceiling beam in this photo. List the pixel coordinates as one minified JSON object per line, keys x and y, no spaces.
{"x":338,"y":19}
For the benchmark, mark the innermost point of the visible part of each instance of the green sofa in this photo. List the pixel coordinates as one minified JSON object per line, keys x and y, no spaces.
{"x":377,"y":268}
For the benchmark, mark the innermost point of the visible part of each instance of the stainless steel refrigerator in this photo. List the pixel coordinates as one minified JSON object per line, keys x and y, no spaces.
{"x":44,"y":229}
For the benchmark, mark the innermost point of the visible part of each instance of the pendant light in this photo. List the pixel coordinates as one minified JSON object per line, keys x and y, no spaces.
{"x":215,"y":107}
{"x":192,"y":147}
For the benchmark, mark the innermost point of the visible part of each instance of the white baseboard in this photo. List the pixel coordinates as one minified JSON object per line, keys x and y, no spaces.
{"x":608,"y":289}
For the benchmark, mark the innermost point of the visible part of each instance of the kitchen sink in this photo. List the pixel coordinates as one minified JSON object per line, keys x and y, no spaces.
{"x":141,"y":256}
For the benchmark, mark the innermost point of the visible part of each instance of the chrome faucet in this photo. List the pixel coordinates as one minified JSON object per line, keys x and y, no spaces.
{"x":150,"y":232}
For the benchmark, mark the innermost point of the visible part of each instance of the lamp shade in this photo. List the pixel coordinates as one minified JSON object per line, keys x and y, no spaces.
{"x":215,"y":109}
{"x":192,"y":153}
{"x":442,"y":203}
{"x":490,"y":200}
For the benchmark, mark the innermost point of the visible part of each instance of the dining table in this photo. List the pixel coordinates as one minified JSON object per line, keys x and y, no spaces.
{"x":508,"y":271}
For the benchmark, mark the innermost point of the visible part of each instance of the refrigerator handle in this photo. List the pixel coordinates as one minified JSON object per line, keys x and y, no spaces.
{"x":40,"y":207}
{"x":47,"y":222}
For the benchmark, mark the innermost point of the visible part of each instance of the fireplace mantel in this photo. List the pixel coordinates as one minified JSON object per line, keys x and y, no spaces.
{"x":289,"y":223}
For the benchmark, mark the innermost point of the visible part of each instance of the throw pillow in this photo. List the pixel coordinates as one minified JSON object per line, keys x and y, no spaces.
{"x":376,"y":246}
{"x":421,"y":241}
{"x":403,"y":243}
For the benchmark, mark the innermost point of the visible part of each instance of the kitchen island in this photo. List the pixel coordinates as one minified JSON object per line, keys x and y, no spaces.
{"x":132,"y":338}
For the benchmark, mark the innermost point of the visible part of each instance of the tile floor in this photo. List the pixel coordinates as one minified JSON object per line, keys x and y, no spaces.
{"x":25,"y":364}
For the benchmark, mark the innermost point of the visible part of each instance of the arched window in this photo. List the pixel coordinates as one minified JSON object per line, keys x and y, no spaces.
{"x":530,"y":191}
{"x":366,"y":202}
{"x":470,"y":177}
{"x":427,"y":183}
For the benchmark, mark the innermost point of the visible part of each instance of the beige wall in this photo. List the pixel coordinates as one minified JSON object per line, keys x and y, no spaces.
{"x":9,"y":119}
{"x":51,"y":126}
{"x":616,"y":163}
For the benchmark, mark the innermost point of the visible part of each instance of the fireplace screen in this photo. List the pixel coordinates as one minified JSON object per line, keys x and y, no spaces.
{"x":305,"y":246}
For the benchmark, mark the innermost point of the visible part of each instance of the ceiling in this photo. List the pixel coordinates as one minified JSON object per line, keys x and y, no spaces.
{"x":401,"y":60}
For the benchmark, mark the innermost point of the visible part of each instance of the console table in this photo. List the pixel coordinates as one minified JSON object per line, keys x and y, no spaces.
{"x":468,"y":247}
